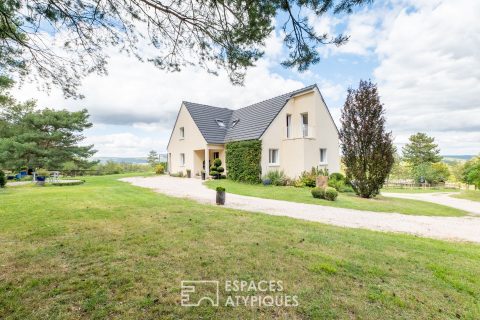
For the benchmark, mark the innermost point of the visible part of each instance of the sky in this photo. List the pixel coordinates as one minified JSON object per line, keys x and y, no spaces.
{"x":424,"y":55}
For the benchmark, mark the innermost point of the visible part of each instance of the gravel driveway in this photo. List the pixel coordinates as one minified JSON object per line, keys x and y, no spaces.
{"x":448,"y":228}
{"x":443,"y":198}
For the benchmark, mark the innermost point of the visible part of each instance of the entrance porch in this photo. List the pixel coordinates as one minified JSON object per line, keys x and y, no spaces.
{"x":203,"y":158}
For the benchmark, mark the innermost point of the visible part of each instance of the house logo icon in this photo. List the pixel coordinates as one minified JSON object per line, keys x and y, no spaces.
{"x":197,"y":292}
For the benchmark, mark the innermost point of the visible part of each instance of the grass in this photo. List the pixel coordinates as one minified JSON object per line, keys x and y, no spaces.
{"x":418,"y":190}
{"x":106,"y":249}
{"x":344,"y":200}
{"x":469,"y":195}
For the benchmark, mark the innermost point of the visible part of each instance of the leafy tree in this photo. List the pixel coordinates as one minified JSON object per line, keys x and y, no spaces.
{"x":400,"y":169}
{"x":368,"y":151}
{"x":44,"y":138}
{"x":212,"y":34}
{"x":471,"y":172}
{"x":153,"y":158}
{"x":421,"y":149}
{"x":432,"y":173}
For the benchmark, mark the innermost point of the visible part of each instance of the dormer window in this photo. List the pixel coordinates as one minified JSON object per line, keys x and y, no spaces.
{"x":220,"y":123}
{"x":234,"y":122}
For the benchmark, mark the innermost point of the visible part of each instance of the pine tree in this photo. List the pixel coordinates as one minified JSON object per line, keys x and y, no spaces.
{"x":153,"y":158}
{"x":421,"y":149}
{"x":368,"y":151}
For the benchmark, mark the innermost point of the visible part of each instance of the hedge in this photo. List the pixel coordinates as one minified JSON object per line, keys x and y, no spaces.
{"x":243,"y":160}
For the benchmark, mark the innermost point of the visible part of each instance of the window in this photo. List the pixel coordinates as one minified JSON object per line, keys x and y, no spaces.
{"x":220,"y":123}
{"x":182,"y":132}
{"x":323,"y":156}
{"x":216,"y":155}
{"x":305,"y":124}
{"x":182,"y":159}
{"x":273,"y":156}
{"x":289,"y":125}
{"x":234,"y":122}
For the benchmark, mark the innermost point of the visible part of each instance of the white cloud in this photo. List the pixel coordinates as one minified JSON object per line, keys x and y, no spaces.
{"x":123,"y":145}
{"x":428,"y":75}
{"x":142,"y":98}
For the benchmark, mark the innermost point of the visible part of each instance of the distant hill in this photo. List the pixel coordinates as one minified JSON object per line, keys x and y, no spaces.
{"x":457,"y":157}
{"x":121,"y":159}
{"x":139,"y":160}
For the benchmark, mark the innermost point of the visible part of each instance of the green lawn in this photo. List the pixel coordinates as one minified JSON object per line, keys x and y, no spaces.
{"x":344,"y":200}
{"x":106,"y":249}
{"x":418,"y":190}
{"x":469,"y":195}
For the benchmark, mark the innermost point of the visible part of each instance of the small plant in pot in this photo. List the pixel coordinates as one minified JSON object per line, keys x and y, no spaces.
{"x":42,"y":175}
{"x":220,"y":196}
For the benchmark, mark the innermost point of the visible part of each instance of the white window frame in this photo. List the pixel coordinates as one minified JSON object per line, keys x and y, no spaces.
{"x":217,"y":152}
{"x":289,"y":126}
{"x":182,"y":132}
{"x":325,"y":156}
{"x":182,"y":159}
{"x":270,"y":156}
{"x":304,"y":125}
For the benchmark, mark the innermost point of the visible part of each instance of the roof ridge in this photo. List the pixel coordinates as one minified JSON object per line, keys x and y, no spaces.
{"x":206,"y":105}
{"x":287,"y":93}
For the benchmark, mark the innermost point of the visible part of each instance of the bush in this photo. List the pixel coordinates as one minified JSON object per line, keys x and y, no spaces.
{"x":159,"y":169}
{"x":243,"y":160}
{"x":220,"y":189}
{"x":42,"y":173}
{"x":309,"y":178}
{"x":277,"y":178}
{"x":318,"y":193}
{"x":3,"y":179}
{"x":330,"y":194}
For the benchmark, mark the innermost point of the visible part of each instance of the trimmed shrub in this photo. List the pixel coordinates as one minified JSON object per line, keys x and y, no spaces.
{"x":159,"y":169}
{"x":330,"y":194}
{"x":220,"y":189}
{"x":318,"y":193}
{"x":243,"y":160}
{"x":216,"y":169}
{"x":3,"y":179}
{"x":70,"y":183}
{"x":327,"y":193}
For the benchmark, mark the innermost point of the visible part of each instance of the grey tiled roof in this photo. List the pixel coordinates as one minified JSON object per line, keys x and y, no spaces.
{"x":252,"y":122}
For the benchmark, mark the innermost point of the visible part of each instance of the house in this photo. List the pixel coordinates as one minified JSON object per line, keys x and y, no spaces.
{"x":296,"y":129}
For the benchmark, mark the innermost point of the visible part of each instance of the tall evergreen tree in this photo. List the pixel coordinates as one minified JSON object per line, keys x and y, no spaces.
{"x":152,"y":158}
{"x":44,"y":138}
{"x":421,"y":149}
{"x":368,"y":151}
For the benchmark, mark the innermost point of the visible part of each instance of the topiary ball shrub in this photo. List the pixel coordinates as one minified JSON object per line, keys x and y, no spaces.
{"x":318,"y":193}
{"x":3,"y":179}
{"x":330,"y":194}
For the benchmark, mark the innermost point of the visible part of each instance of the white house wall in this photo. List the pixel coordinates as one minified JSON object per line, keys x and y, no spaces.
{"x":193,"y":140}
{"x":298,"y":153}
